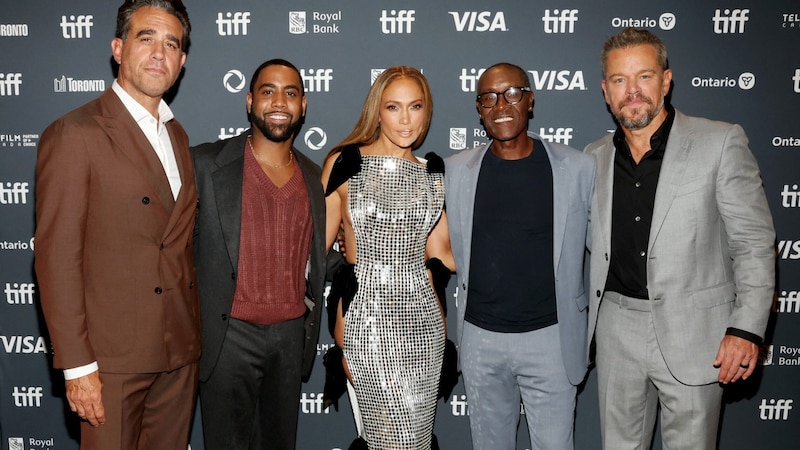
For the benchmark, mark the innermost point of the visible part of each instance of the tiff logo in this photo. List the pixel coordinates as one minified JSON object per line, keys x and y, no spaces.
{"x":775,"y":409}
{"x":27,"y":397}
{"x":557,"y":135}
{"x":317,"y":80}
{"x":560,"y":22}
{"x":394,"y":22}
{"x":730,"y":21}
{"x":312,"y":404}
{"x":790,"y":198}
{"x":233,"y":24}
{"x":459,"y":405}
{"x":76,"y":27}
{"x":796,"y":79}
{"x":230,"y":132}
{"x":20,"y":293}
{"x":10,"y":83}
{"x":470,"y":80}
{"x":14,"y":193}
{"x":788,"y":302}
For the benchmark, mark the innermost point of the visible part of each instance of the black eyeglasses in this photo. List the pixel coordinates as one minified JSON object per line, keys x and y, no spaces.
{"x":513,"y":95}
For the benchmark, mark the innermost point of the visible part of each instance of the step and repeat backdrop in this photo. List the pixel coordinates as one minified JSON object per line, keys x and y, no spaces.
{"x":737,"y":61}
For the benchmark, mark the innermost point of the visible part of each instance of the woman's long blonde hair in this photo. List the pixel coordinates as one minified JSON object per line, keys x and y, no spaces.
{"x":367,"y":128}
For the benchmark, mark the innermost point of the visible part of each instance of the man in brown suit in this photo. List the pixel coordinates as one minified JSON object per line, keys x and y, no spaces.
{"x":115,"y":209}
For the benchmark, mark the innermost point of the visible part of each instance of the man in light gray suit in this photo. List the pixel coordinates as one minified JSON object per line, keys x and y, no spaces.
{"x":518,"y":215}
{"x":682,"y":257}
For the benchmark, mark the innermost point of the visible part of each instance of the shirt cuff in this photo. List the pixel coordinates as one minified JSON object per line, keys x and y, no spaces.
{"x":77,"y":372}
{"x":754,"y":338}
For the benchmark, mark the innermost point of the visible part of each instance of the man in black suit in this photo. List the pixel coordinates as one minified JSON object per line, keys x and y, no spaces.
{"x":260,"y":261}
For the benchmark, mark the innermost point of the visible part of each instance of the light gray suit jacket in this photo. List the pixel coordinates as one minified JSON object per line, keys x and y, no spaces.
{"x":573,"y":180}
{"x":711,"y":257}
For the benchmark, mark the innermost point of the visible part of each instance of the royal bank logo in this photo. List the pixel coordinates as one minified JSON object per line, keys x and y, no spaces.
{"x":765,"y":353}
{"x":16,"y":443}
{"x":479,"y":21}
{"x":317,"y":80}
{"x":76,"y":27}
{"x":320,"y":23}
{"x":68,"y":84}
{"x":773,"y":409}
{"x":14,"y":192}
{"x":396,"y":21}
{"x":796,"y":81}
{"x":780,"y":141}
{"x":23,"y":344}
{"x":233,"y":81}
{"x":20,"y":293}
{"x":227,"y":133}
{"x":782,"y":355}
{"x":10,"y":83}
{"x":297,"y":22}
{"x":791,"y":20}
{"x":458,"y":138}
{"x":560,"y":21}
{"x":730,"y":21}
{"x":666,"y":21}
{"x":745,"y":82}
{"x":556,"y":135}
{"x":315,"y":138}
{"x":27,"y":396}
{"x":13,"y":30}
{"x":233,"y":23}
{"x":19,"y":140}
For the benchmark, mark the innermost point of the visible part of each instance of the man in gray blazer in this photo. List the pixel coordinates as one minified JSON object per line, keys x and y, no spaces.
{"x":260,"y":257}
{"x":518,"y":215}
{"x":682,"y":257}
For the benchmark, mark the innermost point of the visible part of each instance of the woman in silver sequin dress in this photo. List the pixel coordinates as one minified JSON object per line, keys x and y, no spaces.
{"x":389,"y":203}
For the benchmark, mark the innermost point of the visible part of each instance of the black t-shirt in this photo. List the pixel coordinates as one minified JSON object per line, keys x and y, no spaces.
{"x":511,"y":280}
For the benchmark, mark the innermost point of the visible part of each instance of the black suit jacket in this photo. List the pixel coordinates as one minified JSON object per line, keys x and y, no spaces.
{"x":219,"y":168}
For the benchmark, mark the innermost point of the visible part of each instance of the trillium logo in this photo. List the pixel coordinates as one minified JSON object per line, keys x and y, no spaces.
{"x":233,"y":81}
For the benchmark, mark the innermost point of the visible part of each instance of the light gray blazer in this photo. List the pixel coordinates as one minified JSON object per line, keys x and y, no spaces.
{"x":711,"y":257}
{"x":573,"y":181}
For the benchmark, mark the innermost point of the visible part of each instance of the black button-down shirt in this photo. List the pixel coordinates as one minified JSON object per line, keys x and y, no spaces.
{"x":632,"y":210}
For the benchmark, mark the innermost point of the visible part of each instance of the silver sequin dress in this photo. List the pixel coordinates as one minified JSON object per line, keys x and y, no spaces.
{"x":394,"y":335}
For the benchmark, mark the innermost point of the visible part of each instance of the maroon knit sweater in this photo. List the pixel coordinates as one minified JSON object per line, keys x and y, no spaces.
{"x":273,"y":247}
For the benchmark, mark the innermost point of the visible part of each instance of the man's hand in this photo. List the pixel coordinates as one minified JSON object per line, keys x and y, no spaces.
{"x":85,"y":398}
{"x":737,"y":358}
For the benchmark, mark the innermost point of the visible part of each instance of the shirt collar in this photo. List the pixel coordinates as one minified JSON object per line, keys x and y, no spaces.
{"x":138,"y":111}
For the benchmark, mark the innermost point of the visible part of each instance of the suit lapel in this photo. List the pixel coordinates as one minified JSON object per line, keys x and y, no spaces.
{"x":227,"y":181}
{"x":468,"y":185}
{"x":561,"y":198}
{"x":604,"y":191}
{"x":129,"y":139}
{"x":673,"y":166}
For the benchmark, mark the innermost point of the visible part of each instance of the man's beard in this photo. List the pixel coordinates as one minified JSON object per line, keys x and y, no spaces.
{"x":643,"y":121}
{"x":275,"y":133}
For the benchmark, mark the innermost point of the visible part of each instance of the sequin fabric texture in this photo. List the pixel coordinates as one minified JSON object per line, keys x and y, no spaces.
{"x":394,"y":335}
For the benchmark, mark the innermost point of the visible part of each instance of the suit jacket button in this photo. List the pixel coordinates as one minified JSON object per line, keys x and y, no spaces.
{"x":158,"y":290}
{"x":191,"y":284}
{"x":146,"y":200}
{"x":224,"y":317}
{"x":233,"y":276}
{"x":606,"y":256}
{"x":463,"y":285}
{"x":598,"y":293}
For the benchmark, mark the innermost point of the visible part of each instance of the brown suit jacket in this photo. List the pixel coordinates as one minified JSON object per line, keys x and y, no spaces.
{"x":113,"y":250}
